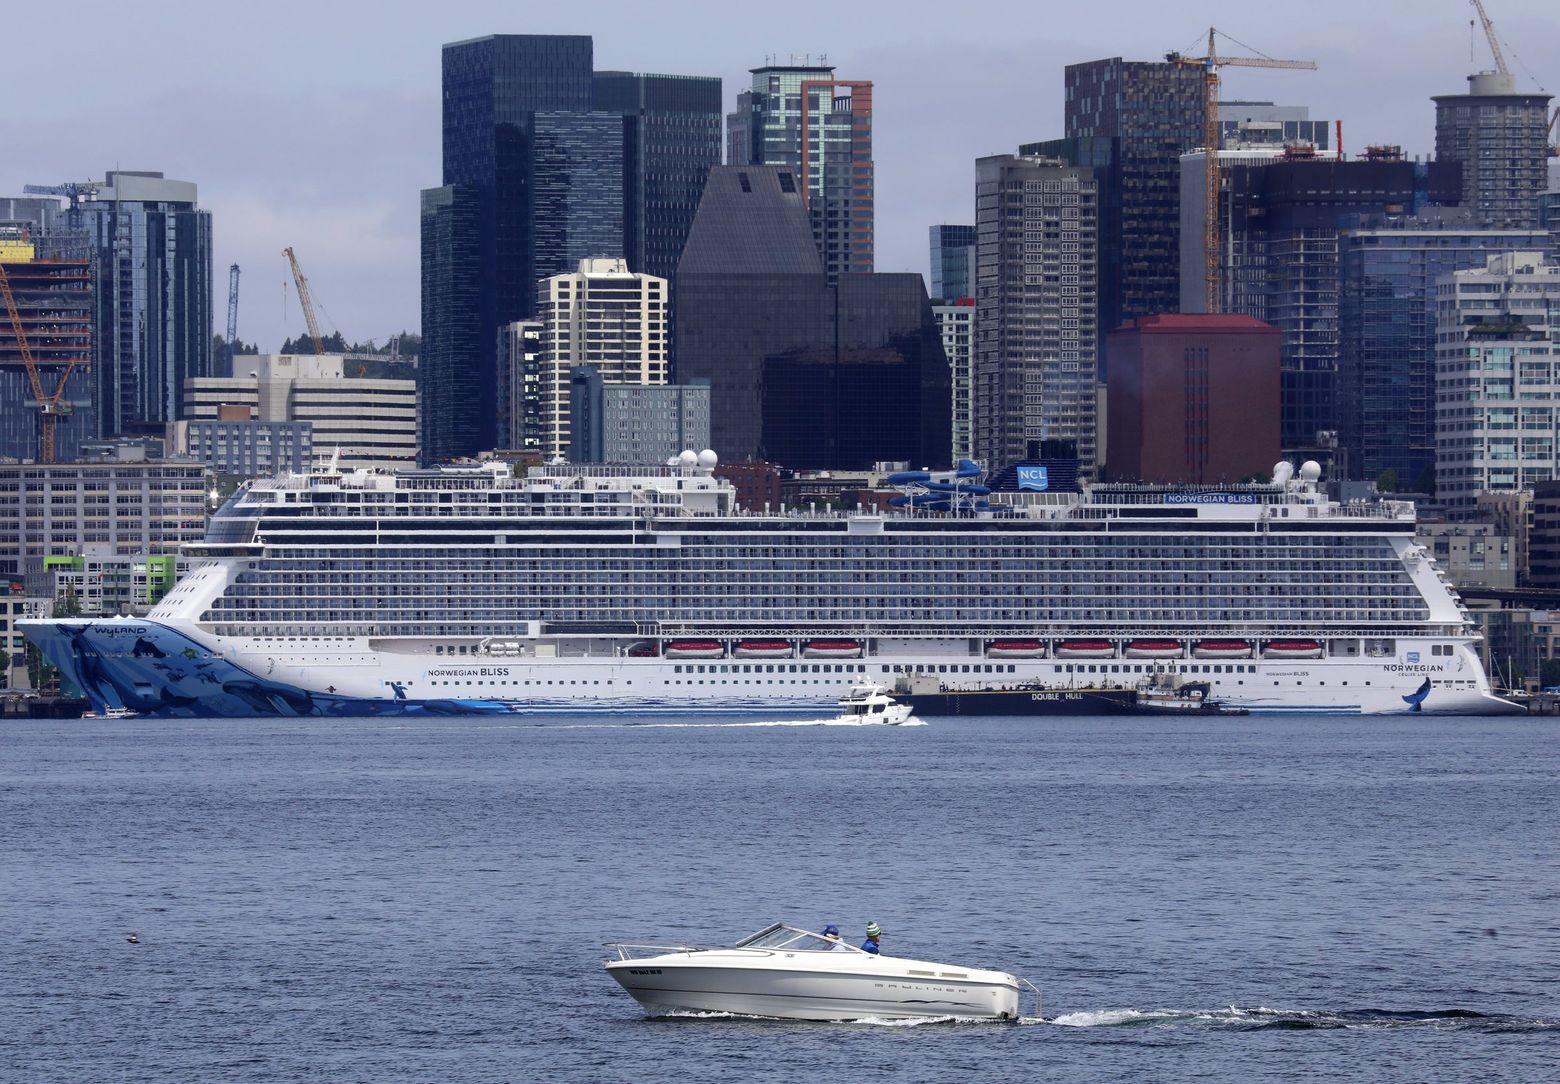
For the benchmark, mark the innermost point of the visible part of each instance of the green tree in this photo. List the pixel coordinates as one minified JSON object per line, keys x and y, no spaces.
{"x":1387,"y":481}
{"x":333,"y":343}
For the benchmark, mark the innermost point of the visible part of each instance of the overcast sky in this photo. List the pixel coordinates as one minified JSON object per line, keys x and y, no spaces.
{"x":316,"y":124}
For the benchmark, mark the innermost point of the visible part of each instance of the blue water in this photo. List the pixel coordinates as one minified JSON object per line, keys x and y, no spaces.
{"x":359,"y":900}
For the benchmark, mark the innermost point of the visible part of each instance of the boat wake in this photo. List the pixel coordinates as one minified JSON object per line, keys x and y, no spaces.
{"x":912,"y":721}
{"x":1260,"y":1018}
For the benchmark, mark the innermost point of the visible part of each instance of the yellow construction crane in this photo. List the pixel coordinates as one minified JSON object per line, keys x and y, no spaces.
{"x":52,"y":406}
{"x":1554,"y":123}
{"x":1489,"y":32}
{"x":305,"y":301}
{"x":1210,"y":65}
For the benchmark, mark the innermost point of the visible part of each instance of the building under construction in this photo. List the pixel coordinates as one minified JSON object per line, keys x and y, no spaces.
{"x":51,"y":322}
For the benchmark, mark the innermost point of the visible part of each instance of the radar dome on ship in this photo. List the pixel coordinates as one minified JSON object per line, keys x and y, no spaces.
{"x":1283,"y":470}
{"x":708,"y":459}
{"x":688,"y":458}
{"x":1310,"y":470}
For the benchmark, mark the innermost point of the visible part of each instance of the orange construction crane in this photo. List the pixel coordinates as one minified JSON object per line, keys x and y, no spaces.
{"x":53,"y":405}
{"x":1489,"y":32}
{"x":1210,"y":64}
{"x":305,"y":301}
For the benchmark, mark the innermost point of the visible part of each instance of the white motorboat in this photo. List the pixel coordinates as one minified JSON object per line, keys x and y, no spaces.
{"x":872,"y":704}
{"x":785,"y":972}
{"x":114,"y":713}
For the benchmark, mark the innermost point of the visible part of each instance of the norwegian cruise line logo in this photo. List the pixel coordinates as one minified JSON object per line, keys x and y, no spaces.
{"x":1415,"y":700}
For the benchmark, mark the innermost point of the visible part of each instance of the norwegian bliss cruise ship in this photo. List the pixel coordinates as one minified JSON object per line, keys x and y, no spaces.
{"x":473,"y":589}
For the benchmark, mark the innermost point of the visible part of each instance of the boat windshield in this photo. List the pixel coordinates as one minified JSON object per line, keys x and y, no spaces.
{"x":793,"y":940}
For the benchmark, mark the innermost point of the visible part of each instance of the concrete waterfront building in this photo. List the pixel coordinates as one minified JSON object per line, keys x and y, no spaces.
{"x":238,"y":444}
{"x":803,"y":373}
{"x":634,"y":423}
{"x":118,"y":503}
{"x":1500,"y":140}
{"x":819,"y":127}
{"x":607,"y":318}
{"x":151,"y":243}
{"x":1388,"y":268}
{"x":546,"y":163}
{"x":953,"y":262}
{"x":1132,"y":120}
{"x":956,"y":323}
{"x":1036,"y":308}
{"x":1242,"y":124}
{"x":1497,"y":388}
{"x":371,"y":418}
{"x":54,"y":302}
{"x":1474,"y":555}
{"x":107,"y":584}
{"x":1193,"y":398}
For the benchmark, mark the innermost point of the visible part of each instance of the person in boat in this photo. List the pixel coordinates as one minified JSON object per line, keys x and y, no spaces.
{"x":832,"y":933}
{"x":874,"y":931}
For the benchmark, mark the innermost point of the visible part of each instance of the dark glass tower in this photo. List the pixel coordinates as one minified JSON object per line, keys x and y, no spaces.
{"x":802,"y":372}
{"x":1150,"y":112}
{"x":451,"y":397}
{"x":953,"y":261}
{"x":1388,"y":268}
{"x":559,"y":164}
{"x":671,"y":138}
{"x":1500,"y":139}
{"x":152,"y":249}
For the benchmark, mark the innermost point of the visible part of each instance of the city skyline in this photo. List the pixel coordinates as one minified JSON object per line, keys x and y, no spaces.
{"x":327,"y":151}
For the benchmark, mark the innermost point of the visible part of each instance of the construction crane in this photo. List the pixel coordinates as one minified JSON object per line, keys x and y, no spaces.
{"x":52,"y":405}
{"x":1554,"y":124}
{"x":305,"y":301}
{"x":232,"y":327}
{"x":75,"y":191}
{"x":1210,"y":66}
{"x":1489,"y":32}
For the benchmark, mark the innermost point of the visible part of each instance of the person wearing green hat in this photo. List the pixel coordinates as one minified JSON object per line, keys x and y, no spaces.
{"x":874,"y":931}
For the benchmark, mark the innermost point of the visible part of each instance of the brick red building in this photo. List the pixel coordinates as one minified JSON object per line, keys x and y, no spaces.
{"x":1192,"y":398}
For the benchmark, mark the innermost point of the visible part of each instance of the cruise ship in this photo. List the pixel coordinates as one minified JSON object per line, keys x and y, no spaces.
{"x":565,"y":589}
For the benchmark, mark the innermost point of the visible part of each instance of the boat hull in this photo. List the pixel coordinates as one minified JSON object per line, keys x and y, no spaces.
{"x":179,"y":671}
{"x":885,"y":992}
{"x":1021,"y":702}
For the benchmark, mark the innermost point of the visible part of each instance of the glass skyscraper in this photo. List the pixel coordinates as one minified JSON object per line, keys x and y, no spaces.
{"x":818,"y":127}
{"x":1387,"y":325}
{"x":803,"y":372}
{"x":546,"y":163}
{"x":1131,"y":121}
{"x":953,"y":262}
{"x":152,"y":245}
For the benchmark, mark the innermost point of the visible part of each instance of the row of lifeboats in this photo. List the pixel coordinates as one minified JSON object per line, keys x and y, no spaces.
{"x":816,"y":648}
{"x":1152,"y":648}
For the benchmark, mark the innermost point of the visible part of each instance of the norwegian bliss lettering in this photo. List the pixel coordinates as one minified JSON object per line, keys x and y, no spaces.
{"x":1210,"y":498}
{"x":475,"y":671}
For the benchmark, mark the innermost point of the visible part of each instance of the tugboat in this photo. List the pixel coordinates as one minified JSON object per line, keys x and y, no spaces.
{"x":1163,"y":693}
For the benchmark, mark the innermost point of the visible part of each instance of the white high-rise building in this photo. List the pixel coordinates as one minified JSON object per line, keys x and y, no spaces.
{"x":1497,"y":389}
{"x":372,"y":420}
{"x":603,"y":316}
{"x":956,"y":323}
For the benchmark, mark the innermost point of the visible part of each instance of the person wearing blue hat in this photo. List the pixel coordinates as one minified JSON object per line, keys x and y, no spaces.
{"x":832,"y":932}
{"x":874,"y":931}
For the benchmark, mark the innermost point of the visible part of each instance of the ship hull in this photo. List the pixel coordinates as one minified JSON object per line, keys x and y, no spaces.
{"x":157,"y":668}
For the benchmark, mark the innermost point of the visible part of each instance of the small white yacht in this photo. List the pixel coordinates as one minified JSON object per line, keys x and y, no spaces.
{"x":785,"y":972}
{"x":872,"y":704}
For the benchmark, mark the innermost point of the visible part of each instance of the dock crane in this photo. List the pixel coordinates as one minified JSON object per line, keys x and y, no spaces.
{"x":1210,"y":65}
{"x":305,"y":301}
{"x":51,"y":405}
